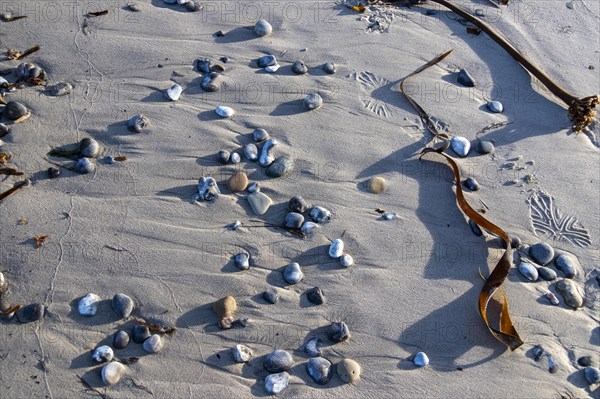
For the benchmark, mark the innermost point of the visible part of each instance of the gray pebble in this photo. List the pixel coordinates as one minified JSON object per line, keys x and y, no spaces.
{"x":84,"y":166}
{"x":313,"y":101}
{"x":528,"y":271}
{"x":471,"y":184}
{"x":138,"y":123}
{"x":298,"y":204}
{"x":260,"y":135}
{"x":271,"y":296}
{"x":475,"y":228}
{"x":135,"y":7}
{"x":241,"y":353}
{"x":153,"y":344}
{"x":346,"y":260}
{"x":546,"y":273}
{"x":253,"y":187}
{"x":53,"y":172}
{"x":320,"y":370}
{"x":479,"y":12}
{"x":515,"y":242}
{"x":140,"y":333}
{"x":542,"y":253}
{"x":14,"y":110}
{"x":251,"y":152}
{"x":242,"y":261}
{"x":339,"y":332}
{"x":329,"y":68}
{"x":292,"y":273}
{"x":203,"y":65}
{"x":30,"y":313}
{"x":211,"y":82}
{"x":320,"y":215}
{"x":313,"y":347}
{"x":103,"y":353}
{"x":585,"y":361}
{"x":460,"y":145}
{"x":235,"y":158}
{"x":495,"y":107}
{"x":109,"y":160}
{"x":122,"y":305}
{"x":485,"y":147}
{"x":570,"y":294}
{"x":293,"y":220}
{"x":421,"y":359}
{"x":280,"y":167}
{"x":592,"y":375}
{"x":120,"y":339}
{"x":224,"y":156}
{"x":315,"y":296}
{"x":61,"y":89}
{"x":465,"y":78}
{"x":565,"y":264}
{"x":263,"y":28}
{"x":266,"y":61}
{"x":278,"y":361}
{"x":538,"y":352}
{"x":299,"y":68}
{"x":193,"y":6}
{"x":275,"y":383}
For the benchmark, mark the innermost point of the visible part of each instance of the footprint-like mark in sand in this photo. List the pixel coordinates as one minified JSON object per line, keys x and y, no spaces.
{"x":547,"y":220}
{"x":379,"y":89}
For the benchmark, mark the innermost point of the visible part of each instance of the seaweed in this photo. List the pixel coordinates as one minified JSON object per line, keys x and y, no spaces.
{"x":12,"y":54}
{"x":4,"y":158}
{"x":10,"y":18}
{"x":40,"y":240}
{"x":97,"y":13}
{"x":10,"y":311}
{"x":10,"y":172}
{"x":88,"y":387}
{"x":156,"y":328}
{"x":16,"y":187}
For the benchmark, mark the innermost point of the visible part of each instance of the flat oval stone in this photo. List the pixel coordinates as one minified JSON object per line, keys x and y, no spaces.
{"x":224,"y":156}
{"x":542,"y":253}
{"x":313,"y":101}
{"x":241,"y":353}
{"x":235,"y":158}
{"x":566,"y":264}
{"x":569,"y":293}
{"x":278,"y":361}
{"x":15,"y":110}
{"x":272,"y":68}
{"x":293,"y":220}
{"x":377,"y":185}
{"x":421,"y":359}
{"x":471,"y":184}
{"x":584,"y":361}
{"x":242,"y":261}
{"x":298,"y":204}
{"x":61,"y":89}
{"x":299,"y":68}
{"x":465,"y":78}
{"x":153,"y":344}
{"x":259,"y":202}
{"x":485,"y":147}
{"x":528,"y":271}
{"x":546,"y":273}
{"x":120,"y":339}
{"x":259,"y":135}
{"x":122,"y":305}
{"x":315,"y":296}
{"x":292,"y":274}
{"x":140,"y":333}
{"x":495,"y":107}
{"x":329,"y":68}
{"x":309,"y":228}
{"x":174,"y":92}
{"x":265,"y":61}
{"x":281,"y":167}
{"x":275,"y":383}
{"x":88,"y":305}
{"x":320,"y":370}
{"x":320,"y":215}
{"x":271,"y":296}
{"x":112,"y":373}
{"x":224,"y":111}
{"x":238,"y":182}
{"x":262,"y":28}
{"x":336,"y":249}
{"x":348,"y":370}
{"x":103,"y":354}
{"x":251,"y":152}
{"x":31,"y":313}
{"x":592,"y":375}
{"x":339,"y":332}
{"x":346,"y":260}
{"x":313,"y":347}
{"x":460,"y":145}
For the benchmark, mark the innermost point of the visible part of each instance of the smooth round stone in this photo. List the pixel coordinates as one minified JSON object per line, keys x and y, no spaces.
{"x":495,"y":107}
{"x":299,"y":68}
{"x":320,"y":215}
{"x":224,"y":111}
{"x":592,"y":375}
{"x":15,"y":110}
{"x":108,"y":160}
{"x":241,"y":353}
{"x":460,"y":145}
{"x":320,"y":370}
{"x":138,"y":123}
{"x":135,"y":7}
{"x":465,"y":78}
{"x":309,"y":228}
{"x":339,"y":332}
{"x":546,"y":273}
{"x":140,"y":333}
{"x":346,"y":260}
{"x":235,"y":158}
{"x":3,"y":284}
{"x":298,"y":204}
{"x":112,"y":373}
{"x":253,"y":187}
{"x":193,"y":6}
{"x":242,"y":261}
{"x":224,"y":308}
{"x":528,"y":271}
{"x":238,"y":182}
{"x":260,"y":135}
{"x":348,"y":370}
{"x":224,"y":156}
{"x":120,"y":339}
{"x":84,"y":166}
{"x":266,"y":60}
{"x":569,"y":292}
{"x":542,"y":253}
{"x":584,"y":361}
{"x":61,"y":89}
{"x":281,"y":167}
{"x":88,"y":147}
{"x":174,"y":92}
{"x":251,"y":152}
{"x":313,"y":101}
{"x":263,"y":28}
{"x":271,"y":296}
{"x":336,"y":248}
{"x":88,"y":305}
{"x":313,"y":347}
{"x":293,"y":220}
{"x":30,"y":313}
{"x":565,"y":264}
{"x":329,"y":68}
{"x":377,"y":185}
{"x":316,"y":296}
{"x":485,"y":147}
{"x":278,"y":361}
{"x":103,"y":354}
{"x":122,"y":305}
{"x":272,"y":68}
{"x":475,"y":228}
{"x":292,"y":274}
{"x":259,"y":202}
{"x":275,"y":383}
{"x":471,"y":184}
{"x":153,"y":344}
{"x":421,"y":359}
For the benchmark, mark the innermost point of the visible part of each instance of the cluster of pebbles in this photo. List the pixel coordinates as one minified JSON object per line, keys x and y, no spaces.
{"x":586,"y":364}
{"x":24,"y":314}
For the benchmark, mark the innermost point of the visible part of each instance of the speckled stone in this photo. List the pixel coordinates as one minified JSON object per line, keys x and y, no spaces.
{"x":153,"y":344}
{"x":281,"y":167}
{"x":485,"y":147}
{"x":122,"y":305}
{"x":377,"y":185}
{"x":349,"y":370}
{"x":320,"y":370}
{"x":278,"y":361}
{"x":542,"y":253}
{"x":566,"y":264}
{"x":315,"y":296}
{"x":263,"y":28}
{"x":299,"y":68}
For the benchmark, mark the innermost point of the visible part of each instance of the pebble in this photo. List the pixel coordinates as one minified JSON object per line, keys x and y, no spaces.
{"x":329,"y":68}
{"x":565,"y":264}
{"x":553,"y":365}
{"x":542,"y":253}
{"x":460,"y":145}
{"x":546,"y":273}
{"x":266,"y":158}
{"x":61,"y":89}
{"x":592,"y":375}
{"x":103,"y":354}
{"x":339,"y":332}
{"x":88,"y":305}
{"x":235,"y":158}
{"x":32,"y":312}
{"x":281,"y":167}
{"x":552,"y":298}
{"x":495,"y":107}
{"x":174,"y":92}
{"x":241,"y":353}
{"x":336,"y":248}
{"x":15,"y":110}
{"x":278,"y":361}
{"x":272,"y":68}
{"x":204,"y":65}
{"x":208,"y":190}
{"x":275,"y":383}
{"x":263,"y":28}
{"x":271,"y":296}
{"x":242,"y":261}
{"x":309,"y":228}
{"x":421,"y":359}
{"x":211,"y":82}
{"x":265,"y":61}
{"x":298,"y":204}
{"x":465,"y":78}
{"x":299,"y":68}
{"x":377,"y":185}
{"x":3,"y":284}
{"x":224,"y":309}
{"x":528,"y":271}
{"x":112,"y":373}
{"x":138,"y":123}
{"x":224,"y":111}
{"x":315,"y":296}
{"x":313,"y":347}
{"x":259,"y":202}
{"x":475,"y":228}
{"x":585,"y":361}
{"x":120,"y":339}
{"x":320,"y":215}
{"x":313,"y":101}
{"x":133,"y":7}
{"x":346,"y":260}
{"x":260,"y":134}
{"x":320,"y":370}
{"x":122,"y":305}
{"x":251,"y":152}
{"x":485,"y":147}
{"x":88,"y":147}
{"x":538,"y":352}
{"x":348,"y":370}
{"x":224,"y":156}
{"x":471,"y":184}
{"x":569,"y":293}
{"x":238,"y":182}
{"x":193,"y":6}
{"x":292,"y":274}
{"x":293,"y":220}
{"x":390,"y":216}
{"x":253,"y":187}
{"x":224,"y":59}
{"x":153,"y":344}
{"x":139,"y":333}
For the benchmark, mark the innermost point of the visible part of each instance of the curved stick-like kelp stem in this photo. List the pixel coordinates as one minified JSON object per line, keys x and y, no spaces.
{"x":506,"y":333}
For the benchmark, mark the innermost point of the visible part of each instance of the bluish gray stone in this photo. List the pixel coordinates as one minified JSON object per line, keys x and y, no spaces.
{"x":542,"y":253}
{"x":278,"y":361}
{"x":320,"y":370}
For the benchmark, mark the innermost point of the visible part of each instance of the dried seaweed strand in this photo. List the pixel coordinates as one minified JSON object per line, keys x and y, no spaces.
{"x":297,"y":232}
{"x":97,"y":13}
{"x":11,"y":18}
{"x":91,"y":388}
{"x":10,"y":172}
{"x":156,"y":328}
{"x":17,"y":187}
{"x":28,"y":52}
{"x":507,"y":333}
{"x":10,"y":311}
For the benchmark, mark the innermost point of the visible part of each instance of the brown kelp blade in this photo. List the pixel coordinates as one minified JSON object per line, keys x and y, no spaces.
{"x":10,"y":172}
{"x":507,"y":333}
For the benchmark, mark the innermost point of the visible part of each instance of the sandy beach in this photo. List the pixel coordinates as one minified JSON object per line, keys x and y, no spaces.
{"x":132,"y":226}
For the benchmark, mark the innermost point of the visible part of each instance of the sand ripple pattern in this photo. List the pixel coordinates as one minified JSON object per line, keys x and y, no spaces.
{"x":373,"y":83}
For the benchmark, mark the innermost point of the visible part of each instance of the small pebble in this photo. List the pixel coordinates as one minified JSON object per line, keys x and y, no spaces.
{"x":471,"y":184}
{"x":112,"y":373}
{"x":516,"y":242}
{"x":263,"y":28}
{"x":3,"y":284}
{"x":465,"y":78}
{"x":140,"y":333}
{"x":479,"y":12}
{"x":280,"y":167}
{"x":546,"y":273}
{"x":224,"y":112}
{"x":103,"y":354}
{"x":293,"y":220}
{"x":88,"y":305}
{"x":235,"y":158}
{"x":542,"y":253}
{"x":377,"y":185}
{"x":15,"y":110}
{"x":538,"y":352}
{"x":61,"y":89}
{"x":275,"y":383}
{"x":30,"y":313}
{"x":193,"y":6}
{"x":253,"y":187}
{"x":552,"y":298}
{"x":475,"y":228}
{"x":238,"y":182}
{"x":528,"y":271}
{"x":348,"y":370}
{"x":292,"y":274}
{"x":390,"y":216}
{"x":122,"y":305}
{"x":120,"y":339}
{"x":260,"y":135}
{"x":329,"y":68}
{"x":272,"y":68}
{"x":241,"y":353}
{"x":553,"y":365}
{"x":299,"y":68}
{"x":153,"y":344}
{"x":219,"y":33}
{"x":251,"y":152}
{"x":460,"y":145}
{"x":320,"y":215}
{"x":266,"y":158}
{"x":339,"y":332}
{"x":421,"y":359}
{"x":313,"y":101}
{"x":346,"y":260}
{"x":309,"y":228}
{"x":138,"y":123}
{"x":224,"y":156}
{"x":336,"y":249}
{"x":204,"y":65}
{"x":315,"y":296}
{"x":592,"y":375}
{"x":271,"y":296}
{"x":313,"y":347}
{"x":298,"y":204}
{"x":565,"y":264}
{"x":225,"y":308}
{"x":212,"y":82}
{"x":278,"y":361}
{"x":174,"y":92}
{"x":569,"y":292}
{"x":485,"y":147}
{"x":495,"y":107}
{"x":89,"y":148}
{"x":135,"y":7}
{"x":320,"y":370}
{"x":224,"y":59}
{"x":208,"y":190}
{"x":265,"y":61}
{"x":585,"y":361}
{"x":242,"y":261}
{"x":259,"y":202}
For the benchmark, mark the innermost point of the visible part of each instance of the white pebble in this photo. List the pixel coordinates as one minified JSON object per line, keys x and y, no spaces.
{"x":88,"y":305}
{"x":421,"y":359}
{"x":224,"y":112}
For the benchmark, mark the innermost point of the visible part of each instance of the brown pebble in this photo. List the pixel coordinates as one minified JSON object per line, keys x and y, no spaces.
{"x":238,"y":182}
{"x":348,"y":370}
{"x":224,"y":308}
{"x":377,"y":185}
